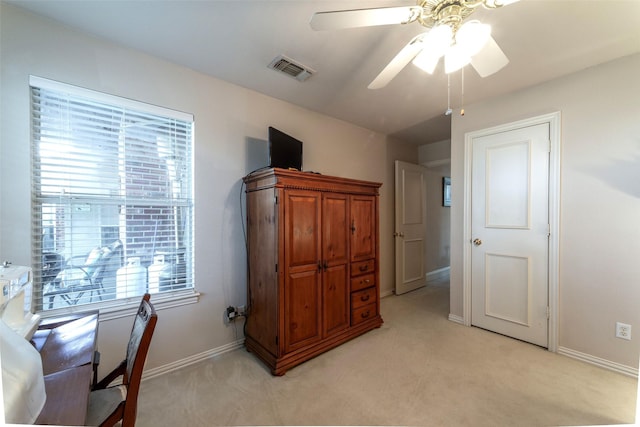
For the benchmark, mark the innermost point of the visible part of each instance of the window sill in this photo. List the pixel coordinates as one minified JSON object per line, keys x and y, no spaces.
{"x":116,"y":309}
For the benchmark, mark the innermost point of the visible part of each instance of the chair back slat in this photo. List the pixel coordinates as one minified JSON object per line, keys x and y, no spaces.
{"x":137,"y":349}
{"x":141,"y":326}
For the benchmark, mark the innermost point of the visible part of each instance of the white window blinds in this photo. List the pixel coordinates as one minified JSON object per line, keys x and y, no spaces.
{"x":111,"y":197}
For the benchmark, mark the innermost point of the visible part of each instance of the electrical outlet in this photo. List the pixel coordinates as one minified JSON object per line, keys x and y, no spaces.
{"x":230,"y":314}
{"x":623,"y":331}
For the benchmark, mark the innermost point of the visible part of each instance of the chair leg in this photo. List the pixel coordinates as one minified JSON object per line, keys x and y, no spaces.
{"x":72,"y":301}
{"x":97,"y":290}
{"x":96,"y":363}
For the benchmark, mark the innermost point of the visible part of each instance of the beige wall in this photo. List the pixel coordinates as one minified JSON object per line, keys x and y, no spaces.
{"x":436,"y":158}
{"x":438,"y":221}
{"x":434,"y":151}
{"x":600,"y":201}
{"x":230,"y":141}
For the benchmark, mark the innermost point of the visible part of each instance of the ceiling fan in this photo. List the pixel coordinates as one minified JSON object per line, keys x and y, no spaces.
{"x":460,"y":41}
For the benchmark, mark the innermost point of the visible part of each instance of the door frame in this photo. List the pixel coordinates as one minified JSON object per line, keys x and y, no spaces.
{"x":554,"y":120}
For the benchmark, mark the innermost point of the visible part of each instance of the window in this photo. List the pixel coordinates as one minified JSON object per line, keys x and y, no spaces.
{"x":112,"y":200}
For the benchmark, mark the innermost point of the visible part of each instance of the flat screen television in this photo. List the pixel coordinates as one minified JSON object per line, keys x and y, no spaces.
{"x":284,"y":150}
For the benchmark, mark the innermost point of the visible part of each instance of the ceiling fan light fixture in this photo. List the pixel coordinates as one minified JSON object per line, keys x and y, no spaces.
{"x":434,"y":45}
{"x":490,"y":59}
{"x":455,"y":59}
{"x":426,"y":61}
{"x":458,"y":48}
{"x":472,"y":36}
{"x":439,"y":38}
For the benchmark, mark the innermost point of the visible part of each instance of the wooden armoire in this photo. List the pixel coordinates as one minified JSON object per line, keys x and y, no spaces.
{"x":313,"y":252}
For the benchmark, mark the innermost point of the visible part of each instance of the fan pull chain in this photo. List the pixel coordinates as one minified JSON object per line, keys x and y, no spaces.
{"x":462,"y":94}
{"x":449,"y":110}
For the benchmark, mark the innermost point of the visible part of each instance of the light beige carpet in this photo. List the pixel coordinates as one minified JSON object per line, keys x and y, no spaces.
{"x":417,"y":369}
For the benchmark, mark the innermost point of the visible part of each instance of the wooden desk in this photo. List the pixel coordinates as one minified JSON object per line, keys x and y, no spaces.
{"x":67,"y":345}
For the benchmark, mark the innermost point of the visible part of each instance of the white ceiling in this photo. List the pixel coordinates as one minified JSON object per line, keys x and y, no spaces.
{"x":236,"y":40}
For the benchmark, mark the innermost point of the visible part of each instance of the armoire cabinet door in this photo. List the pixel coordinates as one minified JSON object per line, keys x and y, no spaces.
{"x":302,"y":287}
{"x":302,"y":229}
{"x":335,"y":229}
{"x":335,"y":260}
{"x":335,"y":294}
{"x":302,"y":310}
{"x":363,"y":228}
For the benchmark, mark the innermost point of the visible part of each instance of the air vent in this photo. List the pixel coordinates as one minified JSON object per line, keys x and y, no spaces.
{"x":291,"y":68}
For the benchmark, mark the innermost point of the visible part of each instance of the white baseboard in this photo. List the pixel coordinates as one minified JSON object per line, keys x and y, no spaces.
{"x":179,"y":364}
{"x":603,"y":363}
{"x":387,"y":293}
{"x":456,"y":319}
{"x":437,"y":274}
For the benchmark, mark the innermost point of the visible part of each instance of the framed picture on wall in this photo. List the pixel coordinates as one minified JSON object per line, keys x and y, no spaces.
{"x":446,"y":191}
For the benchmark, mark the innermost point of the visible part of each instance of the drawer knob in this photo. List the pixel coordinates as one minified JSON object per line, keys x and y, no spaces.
{"x":365,"y":297}
{"x":366,"y":281}
{"x":365,"y":314}
{"x":364,"y":267}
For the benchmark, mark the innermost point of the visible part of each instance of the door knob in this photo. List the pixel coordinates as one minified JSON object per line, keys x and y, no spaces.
{"x":477,"y":242}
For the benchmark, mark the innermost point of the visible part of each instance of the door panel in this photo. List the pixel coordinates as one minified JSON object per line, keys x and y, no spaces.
{"x":507,"y":192}
{"x":302,"y":309}
{"x":302,"y":289}
{"x":508,"y":299}
{"x":335,"y":259}
{"x":335,"y":229}
{"x":410,"y":226}
{"x":363,"y":233}
{"x":335,"y":298}
{"x":303,"y":224}
{"x":413,"y":254}
{"x":510,"y":230}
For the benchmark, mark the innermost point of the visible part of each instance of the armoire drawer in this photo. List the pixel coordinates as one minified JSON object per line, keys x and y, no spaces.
{"x":363,"y":267}
{"x":362,"y":282}
{"x":367,"y":296}
{"x":363,"y":314}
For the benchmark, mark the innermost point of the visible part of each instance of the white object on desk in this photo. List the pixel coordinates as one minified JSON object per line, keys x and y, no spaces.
{"x":15,"y":300}
{"x":22,"y":377}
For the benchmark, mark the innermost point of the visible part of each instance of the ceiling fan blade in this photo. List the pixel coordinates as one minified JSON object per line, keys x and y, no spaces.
{"x":489,"y":59}
{"x":364,"y":17}
{"x":398,"y":63}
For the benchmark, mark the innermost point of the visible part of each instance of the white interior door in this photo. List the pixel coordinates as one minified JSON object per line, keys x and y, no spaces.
{"x":510,"y":233}
{"x":410,"y":230}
